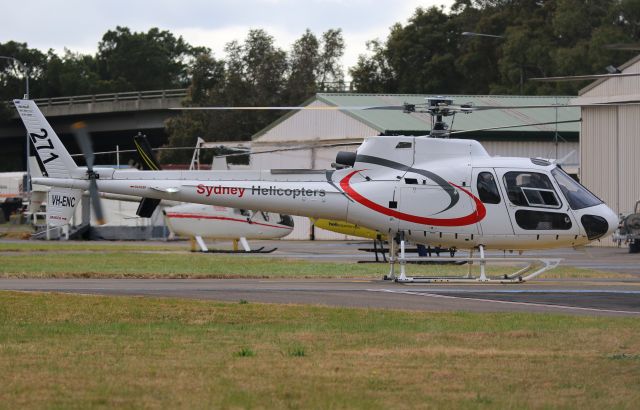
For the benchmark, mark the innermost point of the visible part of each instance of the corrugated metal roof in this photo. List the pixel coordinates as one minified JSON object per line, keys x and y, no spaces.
{"x":390,"y":121}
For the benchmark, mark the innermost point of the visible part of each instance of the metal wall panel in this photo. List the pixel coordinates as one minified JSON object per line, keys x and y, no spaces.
{"x":599,"y":153}
{"x":301,"y":229}
{"x":599,"y":156}
{"x":628,"y":157}
{"x":302,"y":232}
{"x":610,"y":144}
{"x":542,"y":149}
{"x":317,"y":125}
{"x":278,"y":160}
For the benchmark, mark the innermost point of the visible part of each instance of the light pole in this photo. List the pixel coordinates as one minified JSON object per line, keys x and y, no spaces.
{"x":472,"y":34}
{"x":26,"y":97}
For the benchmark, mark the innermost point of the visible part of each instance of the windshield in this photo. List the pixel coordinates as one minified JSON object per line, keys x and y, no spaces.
{"x":578,"y":196}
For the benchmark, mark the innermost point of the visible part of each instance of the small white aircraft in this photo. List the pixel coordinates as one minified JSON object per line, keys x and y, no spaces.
{"x":199,"y":221}
{"x":432,"y":191}
{"x":219,"y":222}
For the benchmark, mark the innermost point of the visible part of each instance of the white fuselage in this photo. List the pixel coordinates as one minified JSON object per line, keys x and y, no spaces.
{"x":427,"y":188}
{"x":220,"y":222}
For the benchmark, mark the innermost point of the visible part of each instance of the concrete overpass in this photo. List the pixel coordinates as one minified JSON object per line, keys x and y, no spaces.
{"x":112,"y":119}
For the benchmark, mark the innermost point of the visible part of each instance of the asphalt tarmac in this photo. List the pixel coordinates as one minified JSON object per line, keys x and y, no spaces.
{"x":609,"y":297}
{"x":609,"y":259}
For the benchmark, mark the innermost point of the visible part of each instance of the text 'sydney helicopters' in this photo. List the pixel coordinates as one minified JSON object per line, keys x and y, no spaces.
{"x":439,"y":192}
{"x":199,"y":221}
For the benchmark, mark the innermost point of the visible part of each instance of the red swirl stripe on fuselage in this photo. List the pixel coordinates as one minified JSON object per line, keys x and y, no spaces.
{"x":477,"y":215}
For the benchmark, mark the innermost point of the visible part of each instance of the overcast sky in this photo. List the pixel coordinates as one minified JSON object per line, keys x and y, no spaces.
{"x":79,"y":24}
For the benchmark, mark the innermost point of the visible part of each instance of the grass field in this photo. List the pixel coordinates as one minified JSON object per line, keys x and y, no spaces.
{"x":64,"y":351}
{"x":116,"y":260}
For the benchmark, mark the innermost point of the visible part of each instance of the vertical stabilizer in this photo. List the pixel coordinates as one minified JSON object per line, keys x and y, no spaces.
{"x":61,"y":204}
{"x":53,"y":158}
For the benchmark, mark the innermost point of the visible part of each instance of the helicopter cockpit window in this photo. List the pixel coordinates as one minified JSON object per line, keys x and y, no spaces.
{"x":530,"y":189}
{"x":577,"y":195}
{"x":487,"y":188}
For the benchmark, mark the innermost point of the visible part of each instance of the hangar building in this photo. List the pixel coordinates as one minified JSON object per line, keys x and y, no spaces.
{"x":610,"y":140}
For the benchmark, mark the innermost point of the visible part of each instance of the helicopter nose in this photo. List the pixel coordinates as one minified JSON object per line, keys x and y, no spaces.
{"x":602,"y":224}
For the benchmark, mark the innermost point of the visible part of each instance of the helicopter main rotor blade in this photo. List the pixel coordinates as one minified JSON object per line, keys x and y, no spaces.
{"x":298,"y":108}
{"x":240,"y":151}
{"x":298,"y":148}
{"x":523,"y":107}
{"x":583,"y":77}
{"x":622,"y":46}
{"x":443,"y":109}
{"x":514,"y":126}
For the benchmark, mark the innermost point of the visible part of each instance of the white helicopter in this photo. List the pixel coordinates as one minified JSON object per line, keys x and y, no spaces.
{"x":439,"y":192}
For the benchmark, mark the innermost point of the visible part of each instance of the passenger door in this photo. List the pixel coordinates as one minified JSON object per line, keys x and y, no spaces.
{"x":497,"y":222}
{"x":534,"y":205}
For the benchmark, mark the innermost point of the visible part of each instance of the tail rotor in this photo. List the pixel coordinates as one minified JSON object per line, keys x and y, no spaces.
{"x":84,"y":142}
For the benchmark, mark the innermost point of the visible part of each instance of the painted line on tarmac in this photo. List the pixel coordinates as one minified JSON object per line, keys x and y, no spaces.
{"x":578,"y":291}
{"x":435,"y":295}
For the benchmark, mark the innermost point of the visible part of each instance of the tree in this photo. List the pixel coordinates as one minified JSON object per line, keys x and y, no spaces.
{"x":422,"y":53}
{"x":373,"y":74}
{"x":477,"y":57}
{"x":144,"y":61}
{"x":71,"y":74}
{"x":330,"y":74}
{"x":253,"y":74}
{"x":256,"y":72}
{"x":304,"y":59}
{"x":12,"y":81}
{"x":535,"y":39}
{"x":314,"y":65}
{"x":12,"y":75}
{"x":206,"y":89}
{"x":416,"y":58}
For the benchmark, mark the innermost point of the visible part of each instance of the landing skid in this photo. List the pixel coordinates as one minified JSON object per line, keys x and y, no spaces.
{"x":259,"y":250}
{"x":243,"y":241}
{"x":422,"y":261}
{"x":531,"y":269}
{"x":421,"y":250}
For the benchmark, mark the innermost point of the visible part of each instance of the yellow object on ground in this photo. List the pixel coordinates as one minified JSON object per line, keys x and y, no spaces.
{"x":347,"y":228}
